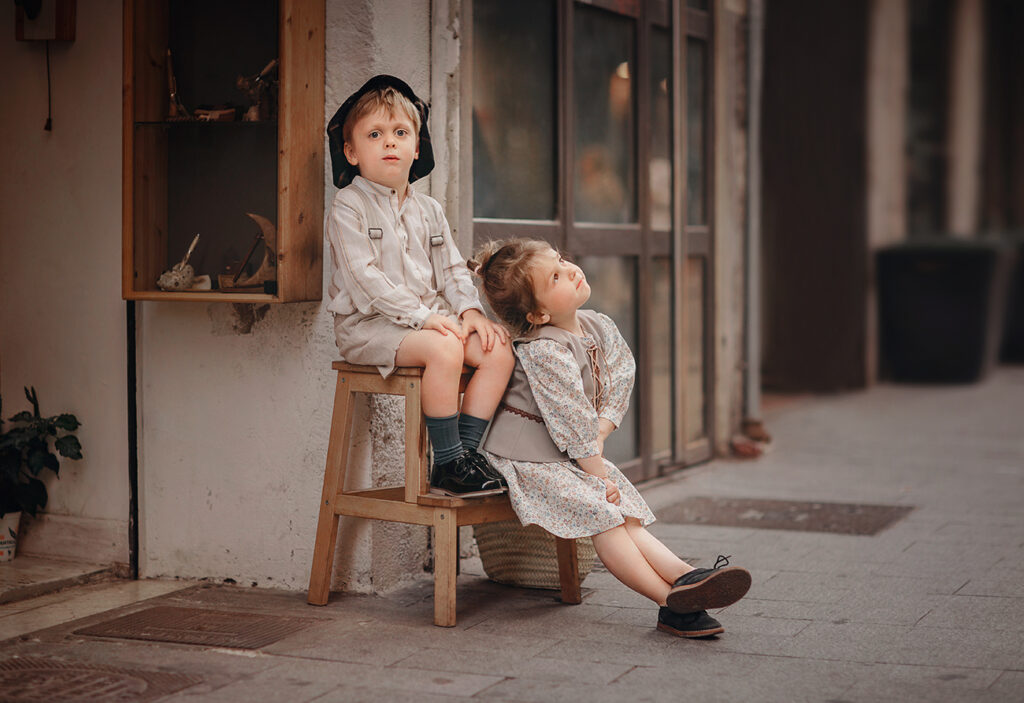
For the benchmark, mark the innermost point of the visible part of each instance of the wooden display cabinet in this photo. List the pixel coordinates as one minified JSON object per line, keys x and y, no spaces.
{"x":183,"y":177}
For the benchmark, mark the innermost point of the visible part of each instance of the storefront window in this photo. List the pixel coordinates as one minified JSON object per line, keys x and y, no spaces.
{"x":514,"y":115}
{"x":603,"y":67}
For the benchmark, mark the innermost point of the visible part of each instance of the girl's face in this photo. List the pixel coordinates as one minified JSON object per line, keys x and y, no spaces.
{"x":560,"y":289}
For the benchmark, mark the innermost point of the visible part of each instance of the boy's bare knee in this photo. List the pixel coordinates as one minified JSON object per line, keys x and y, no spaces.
{"x":501,"y":357}
{"x":448,"y":351}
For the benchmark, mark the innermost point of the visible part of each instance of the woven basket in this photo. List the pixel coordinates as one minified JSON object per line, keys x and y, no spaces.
{"x":526,"y":556}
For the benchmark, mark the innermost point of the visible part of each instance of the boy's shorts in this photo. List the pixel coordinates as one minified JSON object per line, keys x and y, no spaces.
{"x":373,"y":340}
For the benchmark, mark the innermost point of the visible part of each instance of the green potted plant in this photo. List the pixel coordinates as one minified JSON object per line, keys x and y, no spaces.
{"x":27,"y":448}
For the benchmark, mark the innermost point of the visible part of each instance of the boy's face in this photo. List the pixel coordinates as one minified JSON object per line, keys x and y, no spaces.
{"x":383,"y":146}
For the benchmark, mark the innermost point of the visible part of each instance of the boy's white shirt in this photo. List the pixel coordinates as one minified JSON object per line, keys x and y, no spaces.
{"x":400,"y":285}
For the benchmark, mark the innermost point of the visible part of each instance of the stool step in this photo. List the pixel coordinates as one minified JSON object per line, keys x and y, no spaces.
{"x":437,"y":500}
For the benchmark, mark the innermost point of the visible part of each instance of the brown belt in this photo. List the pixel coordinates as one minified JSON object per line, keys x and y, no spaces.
{"x":521,"y":413}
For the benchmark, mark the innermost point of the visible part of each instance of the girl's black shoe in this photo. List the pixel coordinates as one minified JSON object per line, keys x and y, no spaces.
{"x":698,"y":624}
{"x":460,"y":478}
{"x":717,"y":587}
{"x":483,"y":466}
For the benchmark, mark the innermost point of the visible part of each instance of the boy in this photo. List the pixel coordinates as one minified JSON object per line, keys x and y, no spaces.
{"x":401,"y":293}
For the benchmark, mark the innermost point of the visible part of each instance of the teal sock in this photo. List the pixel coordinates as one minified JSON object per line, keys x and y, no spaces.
{"x":471,"y":430}
{"x":444,"y":437}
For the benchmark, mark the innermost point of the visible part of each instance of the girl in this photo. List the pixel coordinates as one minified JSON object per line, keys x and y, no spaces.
{"x":569,"y":391}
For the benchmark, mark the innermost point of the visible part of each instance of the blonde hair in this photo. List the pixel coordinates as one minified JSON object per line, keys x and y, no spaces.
{"x":386,"y":98}
{"x":504,"y":266}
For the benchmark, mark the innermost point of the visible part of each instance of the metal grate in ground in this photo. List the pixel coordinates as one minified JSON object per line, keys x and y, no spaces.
{"x":212,"y":628}
{"x":760,"y":513}
{"x":36,"y":679}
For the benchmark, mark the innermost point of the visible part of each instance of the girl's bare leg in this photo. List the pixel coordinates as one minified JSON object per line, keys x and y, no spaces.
{"x":441,"y":357}
{"x":668,"y":565}
{"x":493,"y":370}
{"x":620,"y":554}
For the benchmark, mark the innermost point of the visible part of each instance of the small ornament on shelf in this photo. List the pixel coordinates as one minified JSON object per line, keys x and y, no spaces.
{"x":261,"y":91}
{"x":176,"y":110}
{"x":267,"y":272}
{"x":182,"y":276}
{"x":222,"y":113}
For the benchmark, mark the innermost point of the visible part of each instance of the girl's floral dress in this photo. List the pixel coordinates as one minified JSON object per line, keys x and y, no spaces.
{"x":560,"y":496}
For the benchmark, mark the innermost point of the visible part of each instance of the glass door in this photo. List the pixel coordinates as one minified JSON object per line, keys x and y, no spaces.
{"x":577,"y":139}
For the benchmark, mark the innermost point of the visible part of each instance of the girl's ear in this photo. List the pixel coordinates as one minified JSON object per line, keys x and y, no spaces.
{"x":350,"y":155}
{"x":535,"y":318}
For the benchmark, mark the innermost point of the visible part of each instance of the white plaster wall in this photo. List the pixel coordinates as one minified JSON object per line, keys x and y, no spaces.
{"x":62,"y":320}
{"x":235,"y":417}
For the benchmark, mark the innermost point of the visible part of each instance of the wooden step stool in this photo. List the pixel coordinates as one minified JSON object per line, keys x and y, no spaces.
{"x":411,"y":503}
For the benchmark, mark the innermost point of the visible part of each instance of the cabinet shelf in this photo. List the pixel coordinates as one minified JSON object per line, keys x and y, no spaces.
{"x":183,"y":177}
{"x":202,"y":124}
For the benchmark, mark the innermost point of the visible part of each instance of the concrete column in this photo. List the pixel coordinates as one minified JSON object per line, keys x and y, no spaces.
{"x":966,"y":77}
{"x":729,"y":172}
{"x":887,"y":98}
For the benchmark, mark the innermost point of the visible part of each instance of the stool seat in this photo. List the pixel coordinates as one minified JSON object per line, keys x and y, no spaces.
{"x":412,"y":502}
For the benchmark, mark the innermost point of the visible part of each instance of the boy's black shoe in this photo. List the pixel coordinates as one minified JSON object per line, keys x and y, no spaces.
{"x":483,"y":466}
{"x":717,"y":587}
{"x":698,"y":624}
{"x":460,"y":478}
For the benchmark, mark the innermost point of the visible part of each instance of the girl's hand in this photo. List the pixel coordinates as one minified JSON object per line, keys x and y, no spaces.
{"x":474,"y":321}
{"x":604,"y":428}
{"x":611,"y":491}
{"x":444,"y":325}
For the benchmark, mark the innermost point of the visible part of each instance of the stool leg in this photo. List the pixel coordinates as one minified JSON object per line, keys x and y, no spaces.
{"x":446,"y":555}
{"x":334,"y":481}
{"x":416,"y":468}
{"x":568,"y":570}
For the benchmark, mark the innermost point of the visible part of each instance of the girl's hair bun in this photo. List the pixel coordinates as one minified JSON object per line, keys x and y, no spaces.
{"x":481,"y":260}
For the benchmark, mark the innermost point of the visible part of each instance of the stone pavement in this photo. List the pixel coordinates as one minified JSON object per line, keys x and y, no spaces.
{"x":930,"y":609}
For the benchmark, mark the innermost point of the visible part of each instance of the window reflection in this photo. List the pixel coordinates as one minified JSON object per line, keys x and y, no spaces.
{"x":696,"y":328}
{"x":661,"y":354}
{"x":514,"y":134}
{"x":603,"y":66}
{"x":613,"y":291}
{"x":661,"y":129}
{"x":696,"y":148}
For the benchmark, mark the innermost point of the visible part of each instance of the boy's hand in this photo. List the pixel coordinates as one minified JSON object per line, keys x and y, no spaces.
{"x":474,"y":320}
{"x":444,"y":325}
{"x":611,"y":491}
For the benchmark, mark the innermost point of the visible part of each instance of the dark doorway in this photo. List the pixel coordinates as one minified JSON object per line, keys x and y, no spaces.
{"x":814,"y":164}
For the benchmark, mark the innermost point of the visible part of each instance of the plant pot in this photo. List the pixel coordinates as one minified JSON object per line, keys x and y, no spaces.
{"x":8,"y":535}
{"x":940,"y":309}
{"x":526,"y":556}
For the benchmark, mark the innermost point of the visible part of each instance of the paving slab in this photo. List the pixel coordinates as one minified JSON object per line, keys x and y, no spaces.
{"x":29,"y":576}
{"x":929,"y":609}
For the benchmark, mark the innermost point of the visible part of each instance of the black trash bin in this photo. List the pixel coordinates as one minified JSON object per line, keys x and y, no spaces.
{"x":1013,"y":334}
{"x":940,"y":309}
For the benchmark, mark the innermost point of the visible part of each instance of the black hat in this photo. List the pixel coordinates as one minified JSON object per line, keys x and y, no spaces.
{"x":344,"y":172}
